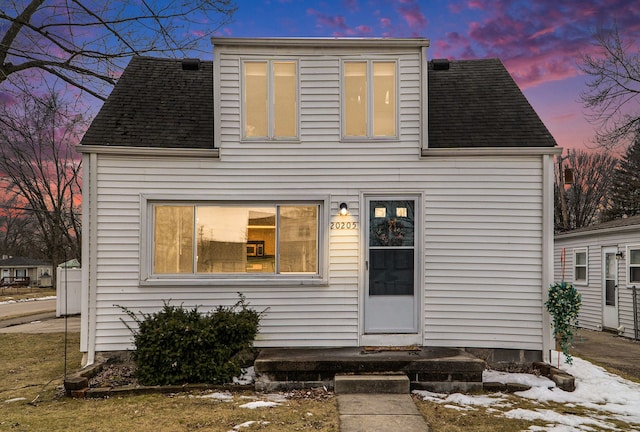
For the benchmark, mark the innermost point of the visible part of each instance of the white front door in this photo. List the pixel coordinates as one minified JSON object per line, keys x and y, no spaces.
{"x":391,"y":283}
{"x":610,"y":289}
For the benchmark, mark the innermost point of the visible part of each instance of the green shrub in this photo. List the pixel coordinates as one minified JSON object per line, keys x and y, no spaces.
{"x":179,"y":346}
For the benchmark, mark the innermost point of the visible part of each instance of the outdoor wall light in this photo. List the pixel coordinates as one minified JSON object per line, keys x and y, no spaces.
{"x":620,"y":255}
{"x":344,"y":210}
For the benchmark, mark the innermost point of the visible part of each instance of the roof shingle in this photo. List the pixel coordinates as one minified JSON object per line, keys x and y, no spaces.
{"x":157,"y":104}
{"x":474,"y":103}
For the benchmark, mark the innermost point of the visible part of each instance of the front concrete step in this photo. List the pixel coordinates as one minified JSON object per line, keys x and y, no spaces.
{"x":434,"y":369}
{"x":371,"y":384}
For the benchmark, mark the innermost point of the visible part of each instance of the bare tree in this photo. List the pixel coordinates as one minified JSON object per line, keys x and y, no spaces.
{"x":39,"y":164}
{"x":86,"y":42}
{"x":16,"y":228}
{"x":587,"y":197}
{"x":613,"y":90}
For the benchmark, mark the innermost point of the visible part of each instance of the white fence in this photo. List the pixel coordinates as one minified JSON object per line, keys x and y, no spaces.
{"x":68,"y":291}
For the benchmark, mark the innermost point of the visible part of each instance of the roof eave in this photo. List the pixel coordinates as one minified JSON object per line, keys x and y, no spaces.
{"x":323,"y":42}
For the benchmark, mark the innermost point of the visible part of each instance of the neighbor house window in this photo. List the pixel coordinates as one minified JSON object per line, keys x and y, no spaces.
{"x":634,"y":265}
{"x":223,"y":239}
{"x":270,"y":99}
{"x":580,"y":266}
{"x":369,"y":99}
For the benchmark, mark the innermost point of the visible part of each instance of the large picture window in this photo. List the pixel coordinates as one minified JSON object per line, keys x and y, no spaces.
{"x":369,"y":99}
{"x":223,"y":239}
{"x":270,"y":99}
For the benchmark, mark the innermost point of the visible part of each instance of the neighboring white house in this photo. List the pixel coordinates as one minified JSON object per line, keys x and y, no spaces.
{"x":603,"y":262}
{"x":361,"y":193}
{"x":15,"y":271}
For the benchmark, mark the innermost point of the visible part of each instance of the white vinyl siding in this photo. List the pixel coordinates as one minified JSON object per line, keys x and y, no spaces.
{"x":481,"y":245}
{"x":592,"y":297}
{"x":320,"y":108}
{"x":481,"y":249}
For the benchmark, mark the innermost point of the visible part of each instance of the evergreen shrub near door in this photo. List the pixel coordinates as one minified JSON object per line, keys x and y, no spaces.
{"x":179,"y":346}
{"x":564,"y":306}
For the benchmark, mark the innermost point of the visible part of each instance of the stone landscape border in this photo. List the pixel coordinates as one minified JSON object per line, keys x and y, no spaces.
{"x":77,"y":385}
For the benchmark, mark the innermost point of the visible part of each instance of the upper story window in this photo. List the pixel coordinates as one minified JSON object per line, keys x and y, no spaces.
{"x":270,"y":96}
{"x":634,"y":265}
{"x":252,"y":238}
{"x":369,"y":99}
{"x":580,"y":266}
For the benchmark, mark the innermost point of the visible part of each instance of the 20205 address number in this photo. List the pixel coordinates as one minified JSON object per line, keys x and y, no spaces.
{"x":343,"y":225}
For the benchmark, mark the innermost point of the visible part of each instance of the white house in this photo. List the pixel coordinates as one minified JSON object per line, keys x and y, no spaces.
{"x":22,"y":271}
{"x":603,"y":262}
{"x":363,"y":194}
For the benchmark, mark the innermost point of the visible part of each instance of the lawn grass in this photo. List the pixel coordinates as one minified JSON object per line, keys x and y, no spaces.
{"x":33,"y":367}
{"x":21,"y":293}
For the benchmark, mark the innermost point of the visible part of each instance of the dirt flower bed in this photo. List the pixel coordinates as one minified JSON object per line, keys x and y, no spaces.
{"x":121,"y":372}
{"x":115,"y":374}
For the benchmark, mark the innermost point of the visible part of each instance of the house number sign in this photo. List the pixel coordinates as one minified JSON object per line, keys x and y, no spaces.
{"x":344,"y":225}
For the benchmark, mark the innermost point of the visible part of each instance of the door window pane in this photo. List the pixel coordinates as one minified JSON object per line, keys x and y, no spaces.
{"x":384,"y":99}
{"x":255,"y":99}
{"x":391,"y":272}
{"x":173,"y":239}
{"x":298,"y":239}
{"x":285,"y":99}
{"x":355,"y":89}
{"x":389,"y":229}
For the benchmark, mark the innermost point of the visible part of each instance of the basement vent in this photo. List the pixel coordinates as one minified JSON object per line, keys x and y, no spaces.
{"x":440,"y":64}
{"x":191,"y":64}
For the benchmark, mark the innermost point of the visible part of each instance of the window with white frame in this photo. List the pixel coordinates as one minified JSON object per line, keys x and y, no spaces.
{"x":222,"y":239}
{"x":580,"y":266}
{"x":369,"y":99}
{"x":633,"y":262}
{"x":270,"y":99}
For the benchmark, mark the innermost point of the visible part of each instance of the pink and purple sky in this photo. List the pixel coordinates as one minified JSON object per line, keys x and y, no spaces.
{"x":540,"y":42}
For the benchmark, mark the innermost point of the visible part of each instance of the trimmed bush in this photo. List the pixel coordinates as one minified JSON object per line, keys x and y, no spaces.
{"x":179,"y":346}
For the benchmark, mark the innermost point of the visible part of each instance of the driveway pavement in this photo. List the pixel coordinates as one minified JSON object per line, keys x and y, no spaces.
{"x":23,"y":308}
{"x":613,"y":352}
{"x":37,"y":316}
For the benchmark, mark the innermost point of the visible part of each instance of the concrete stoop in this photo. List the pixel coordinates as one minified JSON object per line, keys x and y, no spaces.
{"x":434,"y":369}
{"x":371,"y":384}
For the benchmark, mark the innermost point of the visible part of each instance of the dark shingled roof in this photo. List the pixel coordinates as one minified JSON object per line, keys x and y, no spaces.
{"x":631,"y":222}
{"x":157,"y":104}
{"x":474,"y":103}
{"x":23,"y":262}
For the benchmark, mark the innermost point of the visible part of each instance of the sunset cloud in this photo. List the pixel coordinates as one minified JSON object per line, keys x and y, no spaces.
{"x":410,"y":11}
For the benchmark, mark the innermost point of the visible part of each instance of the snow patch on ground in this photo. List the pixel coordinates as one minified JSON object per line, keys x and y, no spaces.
{"x":604,"y":395}
{"x":259,"y":404}
{"x":27,"y":300}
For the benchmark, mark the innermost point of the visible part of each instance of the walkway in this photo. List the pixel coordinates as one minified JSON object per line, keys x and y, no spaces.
{"x":379,"y":413}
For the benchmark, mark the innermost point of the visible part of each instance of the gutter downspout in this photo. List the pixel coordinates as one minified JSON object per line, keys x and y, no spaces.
{"x":89,"y":265}
{"x":547,"y":252}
